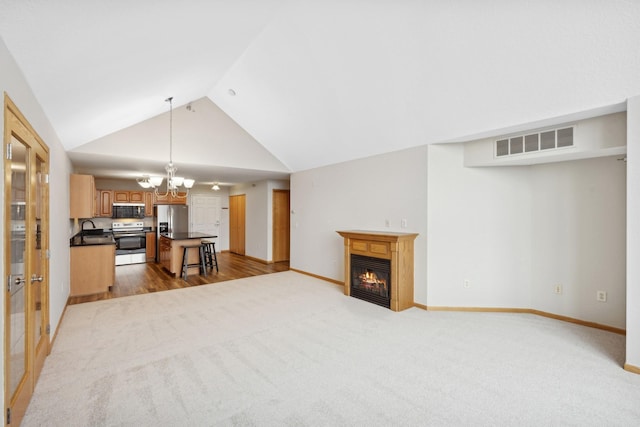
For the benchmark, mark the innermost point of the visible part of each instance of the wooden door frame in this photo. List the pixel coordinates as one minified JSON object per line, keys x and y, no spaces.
{"x":15,"y":123}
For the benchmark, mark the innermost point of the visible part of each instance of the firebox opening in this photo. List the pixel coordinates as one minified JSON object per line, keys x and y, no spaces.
{"x":370,"y":279}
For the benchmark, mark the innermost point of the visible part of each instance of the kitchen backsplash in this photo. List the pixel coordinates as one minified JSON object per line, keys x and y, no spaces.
{"x":106,"y":223}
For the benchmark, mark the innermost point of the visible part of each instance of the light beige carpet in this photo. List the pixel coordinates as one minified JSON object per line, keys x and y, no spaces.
{"x":288,"y":349}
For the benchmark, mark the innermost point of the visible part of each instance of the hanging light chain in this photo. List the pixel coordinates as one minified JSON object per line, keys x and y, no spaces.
{"x":173,"y":182}
{"x":170,"y":101}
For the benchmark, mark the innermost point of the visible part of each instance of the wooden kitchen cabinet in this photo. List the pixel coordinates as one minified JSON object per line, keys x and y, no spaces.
{"x":104,"y":203}
{"x":136,"y":196}
{"x":148,"y":203}
{"x":126,"y":196}
{"x":170,"y":200}
{"x":93,"y":269}
{"x":120,"y":196}
{"x":165,"y":252}
{"x":151,"y":246}
{"x":82,"y":197}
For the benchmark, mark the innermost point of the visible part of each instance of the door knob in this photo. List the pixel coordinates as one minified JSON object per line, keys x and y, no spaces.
{"x":19,"y":281}
{"x":35,"y":278}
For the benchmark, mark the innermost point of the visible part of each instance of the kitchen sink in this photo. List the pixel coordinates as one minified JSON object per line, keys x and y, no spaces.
{"x":93,"y":232}
{"x":96,"y":240}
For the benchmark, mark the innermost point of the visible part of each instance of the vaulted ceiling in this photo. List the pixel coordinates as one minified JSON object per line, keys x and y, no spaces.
{"x":275,"y":86}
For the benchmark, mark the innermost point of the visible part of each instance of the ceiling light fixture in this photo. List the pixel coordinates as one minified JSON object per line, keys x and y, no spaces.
{"x":173,"y":181}
{"x":145,"y":182}
{"x":215,"y":187}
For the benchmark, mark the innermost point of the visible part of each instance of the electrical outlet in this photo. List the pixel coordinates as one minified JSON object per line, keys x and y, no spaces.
{"x":558,"y":289}
{"x":403,"y":223}
{"x":601,"y":296}
{"x":466,"y":284}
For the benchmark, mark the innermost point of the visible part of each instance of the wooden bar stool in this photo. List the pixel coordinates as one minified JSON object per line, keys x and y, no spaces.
{"x":185,"y":259}
{"x":211,"y":259}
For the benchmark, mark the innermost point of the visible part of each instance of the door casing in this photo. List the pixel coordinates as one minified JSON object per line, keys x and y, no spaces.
{"x":17,"y":128}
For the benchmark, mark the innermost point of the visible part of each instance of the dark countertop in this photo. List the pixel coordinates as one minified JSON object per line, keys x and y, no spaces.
{"x":92,"y":240}
{"x":188,"y":235}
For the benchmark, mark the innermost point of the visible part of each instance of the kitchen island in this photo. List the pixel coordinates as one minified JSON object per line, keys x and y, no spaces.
{"x":171,"y":249}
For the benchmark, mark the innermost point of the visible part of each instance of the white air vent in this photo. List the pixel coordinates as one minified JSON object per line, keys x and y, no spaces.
{"x":534,"y":142}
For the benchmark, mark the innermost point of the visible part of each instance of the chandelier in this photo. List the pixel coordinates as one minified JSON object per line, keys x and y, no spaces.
{"x":173,"y":182}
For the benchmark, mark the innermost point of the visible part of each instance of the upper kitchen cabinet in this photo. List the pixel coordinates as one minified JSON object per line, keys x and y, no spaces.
{"x":181,"y":199}
{"x":123,"y":196}
{"x":148,"y":203}
{"x":82,"y":196}
{"x":104,"y":203}
{"x":136,"y":196}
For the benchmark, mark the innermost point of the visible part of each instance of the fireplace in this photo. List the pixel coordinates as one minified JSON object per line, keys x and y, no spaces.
{"x":378,"y":267}
{"x":371,"y":279}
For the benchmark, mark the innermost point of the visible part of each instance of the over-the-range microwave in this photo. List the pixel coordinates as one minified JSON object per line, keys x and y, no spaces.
{"x":127,"y":210}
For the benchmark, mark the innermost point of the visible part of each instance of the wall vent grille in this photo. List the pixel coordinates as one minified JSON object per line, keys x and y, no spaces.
{"x":535,"y":142}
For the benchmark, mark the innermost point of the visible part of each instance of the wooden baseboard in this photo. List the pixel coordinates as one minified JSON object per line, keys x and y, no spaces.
{"x":261,"y":261}
{"x":479,"y":309}
{"x":527,"y":311}
{"x":580,"y":322}
{"x":494,"y":310}
{"x":335,"y":282}
{"x":55,"y":334}
{"x":632,"y":369}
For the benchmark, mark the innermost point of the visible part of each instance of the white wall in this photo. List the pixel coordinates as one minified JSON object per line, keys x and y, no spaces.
{"x":479,"y":230}
{"x":511,"y":232}
{"x":13,"y":82}
{"x":359,"y":195}
{"x":516,"y":232}
{"x":594,"y":137}
{"x":578,"y":229}
{"x":255,"y":217}
{"x":633,"y":232}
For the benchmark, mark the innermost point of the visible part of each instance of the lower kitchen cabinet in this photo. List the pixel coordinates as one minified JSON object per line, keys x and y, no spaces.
{"x":165,"y":252}
{"x":151,"y":246}
{"x":93,"y":269}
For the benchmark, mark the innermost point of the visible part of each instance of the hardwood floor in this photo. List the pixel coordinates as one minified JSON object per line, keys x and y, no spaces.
{"x":138,"y":279}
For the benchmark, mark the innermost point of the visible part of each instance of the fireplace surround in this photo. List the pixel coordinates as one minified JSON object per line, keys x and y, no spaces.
{"x":369,"y":282}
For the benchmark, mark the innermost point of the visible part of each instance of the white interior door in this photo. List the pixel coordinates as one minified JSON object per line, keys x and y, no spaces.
{"x":205,"y":215}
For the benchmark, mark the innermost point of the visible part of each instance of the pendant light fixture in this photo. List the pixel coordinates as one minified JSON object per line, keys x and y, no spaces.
{"x":173,"y":182}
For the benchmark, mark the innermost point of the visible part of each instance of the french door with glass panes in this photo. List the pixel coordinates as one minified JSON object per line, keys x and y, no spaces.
{"x":26,"y":302}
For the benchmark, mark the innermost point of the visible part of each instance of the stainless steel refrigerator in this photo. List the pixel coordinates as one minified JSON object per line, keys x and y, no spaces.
{"x":169,"y":219}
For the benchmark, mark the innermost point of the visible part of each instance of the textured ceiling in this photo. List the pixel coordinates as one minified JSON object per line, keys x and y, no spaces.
{"x":320,"y":82}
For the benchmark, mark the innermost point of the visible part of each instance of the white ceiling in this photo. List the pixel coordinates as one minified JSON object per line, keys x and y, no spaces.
{"x":317,"y":81}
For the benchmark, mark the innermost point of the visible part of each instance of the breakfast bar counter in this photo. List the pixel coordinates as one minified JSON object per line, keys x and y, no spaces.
{"x":171,"y":249}
{"x":188,"y":235}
